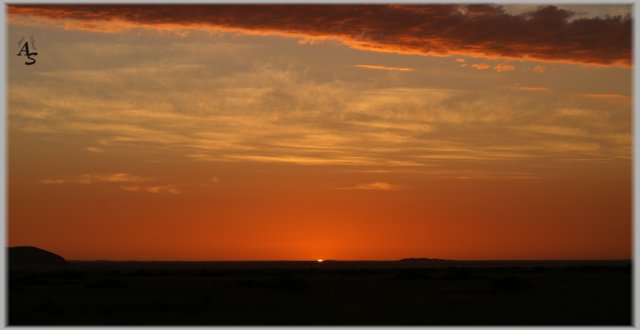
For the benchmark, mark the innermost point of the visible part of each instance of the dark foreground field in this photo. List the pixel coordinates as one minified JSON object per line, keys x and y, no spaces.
{"x":331,"y":293}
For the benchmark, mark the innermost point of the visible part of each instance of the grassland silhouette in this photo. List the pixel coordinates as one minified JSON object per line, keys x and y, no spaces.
{"x":46,"y":289}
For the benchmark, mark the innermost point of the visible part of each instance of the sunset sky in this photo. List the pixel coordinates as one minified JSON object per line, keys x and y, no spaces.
{"x":299,"y":132}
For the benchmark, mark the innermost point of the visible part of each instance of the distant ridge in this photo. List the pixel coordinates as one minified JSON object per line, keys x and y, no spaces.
{"x":31,"y":256}
{"x":422,"y":260}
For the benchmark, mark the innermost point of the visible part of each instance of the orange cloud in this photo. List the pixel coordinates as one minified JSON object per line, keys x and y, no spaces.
{"x":605,"y":95}
{"x":531,"y":88}
{"x":539,"y":69}
{"x":373,"y":186}
{"x":168,"y":189}
{"x":120,"y":178}
{"x":96,"y":178}
{"x":480,"y":66}
{"x":546,"y":33}
{"x":381,"y":67}
{"x":504,"y":67}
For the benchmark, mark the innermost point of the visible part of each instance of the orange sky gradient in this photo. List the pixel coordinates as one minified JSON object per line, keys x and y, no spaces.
{"x":361,"y":132}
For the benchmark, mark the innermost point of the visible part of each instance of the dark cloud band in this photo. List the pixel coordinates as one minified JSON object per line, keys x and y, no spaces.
{"x":547,"y":33}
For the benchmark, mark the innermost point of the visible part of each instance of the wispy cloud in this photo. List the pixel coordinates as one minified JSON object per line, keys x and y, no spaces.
{"x":504,"y":67}
{"x":374,"y":186}
{"x":539,"y":69}
{"x":94,"y":149}
{"x":605,"y":95}
{"x":272,"y":113}
{"x":132,"y":183}
{"x":382,"y":67}
{"x":96,"y":178}
{"x":530,"y":88}
{"x":166,"y":189}
{"x":553,"y":130}
{"x":480,"y":66}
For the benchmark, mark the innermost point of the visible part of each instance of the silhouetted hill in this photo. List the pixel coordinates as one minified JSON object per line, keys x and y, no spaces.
{"x":33,"y":257}
{"x":421,"y":260}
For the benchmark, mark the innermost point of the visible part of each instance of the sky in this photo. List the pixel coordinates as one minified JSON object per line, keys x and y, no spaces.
{"x":303,"y":132}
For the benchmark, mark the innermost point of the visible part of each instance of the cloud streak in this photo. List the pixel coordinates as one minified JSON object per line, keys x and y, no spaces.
{"x":481,"y":66}
{"x":504,"y":67}
{"x":605,"y":95}
{"x":546,"y":33}
{"x":167,"y":189}
{"x":382,"y":67}
{"x":383,"y":186}
{"x":531,"y":88}
{"x":96,"y":178}
{"x":131,"y":182}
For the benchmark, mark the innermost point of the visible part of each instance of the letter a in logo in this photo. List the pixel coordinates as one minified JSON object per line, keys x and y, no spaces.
{"x":25,"y":50}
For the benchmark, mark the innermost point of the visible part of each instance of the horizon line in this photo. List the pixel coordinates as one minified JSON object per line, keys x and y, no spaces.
{"x":352,"y":260}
